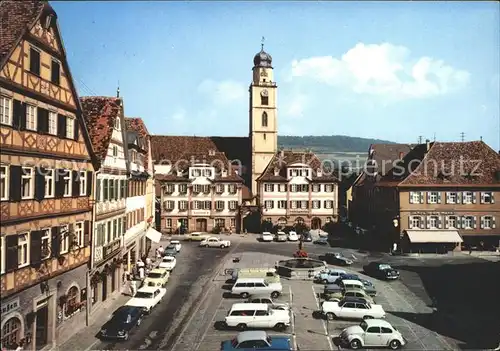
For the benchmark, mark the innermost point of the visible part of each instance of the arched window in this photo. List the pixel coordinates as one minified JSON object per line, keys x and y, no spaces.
{"x":264,"y":119}
{"x":282,"y":222}
{"x":11,"y":333}
{"x":299,"y":220}
{"x":72,"y":301}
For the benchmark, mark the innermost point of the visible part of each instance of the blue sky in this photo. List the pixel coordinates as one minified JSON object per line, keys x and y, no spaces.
{"x":388,"y":70}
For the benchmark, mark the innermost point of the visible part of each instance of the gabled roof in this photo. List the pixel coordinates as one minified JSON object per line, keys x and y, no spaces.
{"x":136,"y":124}
{"x":100,"y":113}
{"x":15,"y":18}
{"x":470,"y":163}
{"x":276,"y":169}
{"x":218,"y":160}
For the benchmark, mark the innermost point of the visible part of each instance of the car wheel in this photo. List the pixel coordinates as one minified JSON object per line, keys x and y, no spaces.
{"x":279,"y":327}
{"x":355,"y":344}
{"x":222,"y":246}
{"x":207,"y":245}
{"x":139,"y":322}
{"x":244,"y":295}
{"x":275,"y":294}
{"x":330,"y":316}
{"x":367,"y":317}
{"x":241,"y":326}
{"x":125,"y":337}
{"x":325,"y":281}
{"x":394,"y":344}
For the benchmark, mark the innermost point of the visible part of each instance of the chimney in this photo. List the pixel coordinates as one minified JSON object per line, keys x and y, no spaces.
{"x":427,"y":145}
{"x":401,"y":155}
{"x":319,"y":172}
{"x":224,"y":173}
{"x":276,"y":171}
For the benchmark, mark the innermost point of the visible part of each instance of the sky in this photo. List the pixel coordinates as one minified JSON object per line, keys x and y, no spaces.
{"x":385,"y":70}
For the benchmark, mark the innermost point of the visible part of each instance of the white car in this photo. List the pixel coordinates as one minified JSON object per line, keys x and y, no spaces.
{"x":177,"y":244}
{"x":292,"y":236}
{"x":168,"y":262}
{"x":147,"y":298}
{"x":266,"y":236}
{"x":372,"y":333}
{"x":351,"y":308}
{"x":215,"y":242}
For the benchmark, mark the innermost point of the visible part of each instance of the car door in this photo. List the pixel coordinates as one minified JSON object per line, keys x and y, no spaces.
{"x":386,"y":335}
{"x":261,"y":319}
{"x":362,"y":310}
{"x":157,"y":296}
{"x":260,"y":287}
{"x":347,"y":310}
{"x":372,"y":337}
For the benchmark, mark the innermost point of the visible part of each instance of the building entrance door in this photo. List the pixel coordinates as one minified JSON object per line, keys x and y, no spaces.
{"x":316,"y":223}
{"x":42,"y":323}
{"x":201,"y":225}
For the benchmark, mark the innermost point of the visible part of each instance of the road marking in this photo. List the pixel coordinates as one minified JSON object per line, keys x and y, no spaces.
{"x":202,"y":300}
{"x":198,"y":344}
{"x":292,"y":318}
{"x":322,"y":321}
{"x":92,"y":345}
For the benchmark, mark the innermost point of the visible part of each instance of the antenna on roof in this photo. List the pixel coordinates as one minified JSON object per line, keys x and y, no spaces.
{"x":118,"y":90}
{"x":462,"y":136}
{"x":434,"y":139}
{"x":481,"y":138}
{"x":420,"y":139}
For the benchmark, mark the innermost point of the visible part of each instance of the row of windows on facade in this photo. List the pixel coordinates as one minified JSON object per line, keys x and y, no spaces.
{"x":298,"y":188}
{"x":298,"y":204}
{"x":200,"y":205}
{"x":24,"y":183}
{"x":198,"y":188}
{"x":451,"y":222}
{"x":24,"y":116}
{"x":32,"y":247}
{"x":453,"y":197}
{"x":108,"y":231}
{"x":116,"y":189}
{"x":218,"y":222}
{"x":282,"y":221}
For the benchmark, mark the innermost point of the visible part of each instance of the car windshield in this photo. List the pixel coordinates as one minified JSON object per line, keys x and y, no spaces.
{"x":385,"y":266}
{"x":171,"y":247}
{"x":154,"y":275}
{"x":363,"y":325}
{"x":143,"y":295}
{"x":269,"y":340}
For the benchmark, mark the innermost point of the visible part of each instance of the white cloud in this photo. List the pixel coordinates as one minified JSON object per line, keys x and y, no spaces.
{"x":179,"y":115}
{"x":296,"y":107}
{"x":383,"y":70}
{"x":223,"y":92}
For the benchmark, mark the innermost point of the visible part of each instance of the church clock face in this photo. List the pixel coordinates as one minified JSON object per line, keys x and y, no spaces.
{"x":264,"y":93}
{"x":263,"y":73}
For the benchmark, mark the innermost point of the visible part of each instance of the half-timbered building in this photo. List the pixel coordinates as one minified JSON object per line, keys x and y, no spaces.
{"x":46,"y":182}
{"x":106,"y":125}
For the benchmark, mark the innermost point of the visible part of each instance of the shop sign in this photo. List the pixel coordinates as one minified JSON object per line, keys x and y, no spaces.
{"x":298,"y":211}
{"x":10,"y":306}
{"x":427,"y":213}
{"x":200,"y":213}
{"x":111,"y":248}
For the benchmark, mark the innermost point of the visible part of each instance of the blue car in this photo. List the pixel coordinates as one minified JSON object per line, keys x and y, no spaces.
{"x":171,"y":250}
{"x":257,"y":340}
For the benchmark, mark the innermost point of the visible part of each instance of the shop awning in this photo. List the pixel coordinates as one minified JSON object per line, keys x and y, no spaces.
{"x":433,"y":236}
{"x":153,"y":235}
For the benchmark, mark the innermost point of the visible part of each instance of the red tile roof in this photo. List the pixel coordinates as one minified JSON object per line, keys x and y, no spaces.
{"x":99,"y":113}
{"x":15,"y":19}
{"x":136,"y":124}
{"x":448,"y":164}
{"x":276,"y":169}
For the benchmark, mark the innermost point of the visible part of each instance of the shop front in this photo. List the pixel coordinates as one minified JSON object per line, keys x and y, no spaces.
{"x":431,"y":241}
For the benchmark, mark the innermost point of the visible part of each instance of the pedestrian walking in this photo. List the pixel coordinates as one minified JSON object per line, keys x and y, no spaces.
{"x":161,"y":250}
{"x":133,"y":287}
{"x":148,"y":263}
{"x":141,"y":272}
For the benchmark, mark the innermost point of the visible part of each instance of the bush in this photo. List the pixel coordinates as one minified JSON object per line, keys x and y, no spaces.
{"x":300,"y":228}
{"x":216,"y":230}
{"x":267,"y":226}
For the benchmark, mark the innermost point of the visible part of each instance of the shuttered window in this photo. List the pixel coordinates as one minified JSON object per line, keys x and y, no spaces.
{"x":34,"y":61}
{"x":55,"y":72}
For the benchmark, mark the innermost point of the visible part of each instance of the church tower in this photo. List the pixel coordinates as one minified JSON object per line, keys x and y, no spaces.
{"x":263,"y":115}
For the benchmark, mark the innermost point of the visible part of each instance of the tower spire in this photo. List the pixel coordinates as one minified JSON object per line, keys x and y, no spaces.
{"x":262,"y":43}
{"x":118,"y":90}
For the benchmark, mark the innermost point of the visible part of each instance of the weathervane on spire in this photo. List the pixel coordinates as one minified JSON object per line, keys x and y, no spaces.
{"x":262,"y":43}
{"x":118,"y":90}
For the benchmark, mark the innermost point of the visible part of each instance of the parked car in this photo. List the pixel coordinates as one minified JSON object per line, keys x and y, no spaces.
{"x":256,"y":315}
{"x":177,"y":244}
{"x":351,"y":308}
{"x":365,"y":282}
{"x":168,"y":262}
{"x":266,"y":298}
{"x":196,"y":236}
{"x":323,"y":240}
{"x":122,"y":323}
{"x":157,"y":277}
{"x":356,"y":284}
{"x":147,"y":298}
{"x":257,"y":340}
{"x":329,"y":276}
{"x":381,"y":271}
{"x":281,"y":237}
{"x":336,"y":258}
{"x":215,"y":242}
{"x":170,"y":250}
{"x":372,"y":333}
{"x":292,"y":236}
{"x":245,"y":287}
{"x":266,"y":236}
{"x":268,"y":273}
{"x":306,"y":237}
{"x":352,"y":292}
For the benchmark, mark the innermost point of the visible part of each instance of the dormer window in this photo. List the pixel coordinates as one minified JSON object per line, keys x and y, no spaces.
{"x":196,"y":173}
{"x":207,"y":173}
{"x":117,"y":123}
{"x":211,"y":152}
{"x":276,"y":171}
{"x":319,"y":172}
